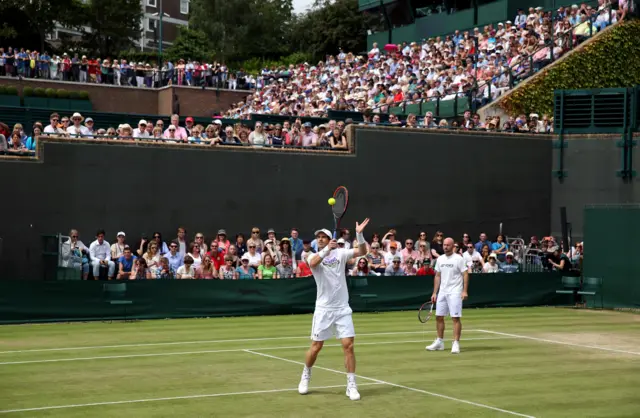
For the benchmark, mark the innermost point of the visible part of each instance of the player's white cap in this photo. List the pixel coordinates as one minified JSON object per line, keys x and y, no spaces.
{"x":324,"y":231}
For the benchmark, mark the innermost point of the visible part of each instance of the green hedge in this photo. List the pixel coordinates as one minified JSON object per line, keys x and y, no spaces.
{"x":613,"y":60}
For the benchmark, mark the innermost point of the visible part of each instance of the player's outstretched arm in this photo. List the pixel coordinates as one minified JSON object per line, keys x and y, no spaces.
{"x":362,"y":244}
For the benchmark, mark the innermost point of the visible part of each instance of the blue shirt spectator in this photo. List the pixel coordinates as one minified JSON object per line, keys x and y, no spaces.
{"x":175,"y":261}
{"x":127,"y":265}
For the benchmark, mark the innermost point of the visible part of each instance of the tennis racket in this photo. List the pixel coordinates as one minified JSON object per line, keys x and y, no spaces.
{"x":341,"y":195}
{"x":425,"y":311}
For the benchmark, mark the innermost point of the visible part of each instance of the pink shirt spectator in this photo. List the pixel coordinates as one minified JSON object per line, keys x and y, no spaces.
{"x":413,"y":254}
{"x":181,"y":133}
{"x":309,"y":139}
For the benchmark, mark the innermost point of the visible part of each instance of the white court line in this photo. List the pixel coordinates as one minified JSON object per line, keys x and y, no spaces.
{"x":207,"y":342}
{"x":544,"y":340}
{"x":231,"y":350}
{"x":173,"y":398}
{"x":438,"y":395}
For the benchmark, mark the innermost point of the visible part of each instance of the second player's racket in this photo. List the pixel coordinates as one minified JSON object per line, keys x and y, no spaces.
{"x":425,"y":312}
{"x":341,"y":195}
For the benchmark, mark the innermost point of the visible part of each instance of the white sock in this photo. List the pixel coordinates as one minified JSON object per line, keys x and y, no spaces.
{"x":351,"y":378}
{"x":440,"y":340}
{"x":306,"y":370}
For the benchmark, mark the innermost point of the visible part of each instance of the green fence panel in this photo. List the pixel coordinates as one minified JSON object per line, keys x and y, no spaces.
{"x":28,"y":301}
{"x":413,"y":108}
{"x":610,"y":233}
{"x":12,"y":101}
{"x":343,"y":115}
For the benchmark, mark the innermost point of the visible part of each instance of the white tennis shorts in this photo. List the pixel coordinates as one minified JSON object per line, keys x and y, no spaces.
{"x":449,"y":304}
{"x":330,"y":322}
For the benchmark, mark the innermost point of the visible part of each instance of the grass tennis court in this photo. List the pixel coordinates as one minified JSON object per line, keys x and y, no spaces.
{"x":538,"y":362}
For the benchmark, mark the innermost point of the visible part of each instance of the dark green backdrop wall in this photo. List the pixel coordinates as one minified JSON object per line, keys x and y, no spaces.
{"x":411,"y":181}
{"x":592,"y":166}
{"x":24,"y":301}
{"x":611,"y":234}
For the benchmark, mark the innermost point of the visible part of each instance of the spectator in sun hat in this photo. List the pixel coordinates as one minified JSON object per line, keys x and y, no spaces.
{"x":510,"y":264}
{"x":77,"y":129}
{"x":141,"y":130}
{"x":89,"y":124}
{"x":395,"y":268}
{"x":223,"y":242}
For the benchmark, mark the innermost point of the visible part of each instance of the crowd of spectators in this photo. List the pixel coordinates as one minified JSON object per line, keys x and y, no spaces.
{"x":330,"y":136}
{"x":16,"y":62}
{"x":488,"y":60}
{"x":286,"y":257}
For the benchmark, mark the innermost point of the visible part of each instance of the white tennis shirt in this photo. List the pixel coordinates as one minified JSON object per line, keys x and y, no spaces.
{"x":451,"y":269}
{"x":331,"y":280}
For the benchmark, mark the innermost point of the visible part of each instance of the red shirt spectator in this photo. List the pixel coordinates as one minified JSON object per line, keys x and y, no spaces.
{"x":216,"y":256}
{"x":425,"y":270}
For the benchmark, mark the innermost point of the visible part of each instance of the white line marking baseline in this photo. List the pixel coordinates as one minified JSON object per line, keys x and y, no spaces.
{"x":208,"y":342}
{"x":230,"y":350}
{"x":545,"y":340}
{"x":173,"y":398}
{"x":438,"y":395}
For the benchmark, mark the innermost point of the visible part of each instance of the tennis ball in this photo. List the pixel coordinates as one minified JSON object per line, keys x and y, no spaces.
{"x":332,"y":201}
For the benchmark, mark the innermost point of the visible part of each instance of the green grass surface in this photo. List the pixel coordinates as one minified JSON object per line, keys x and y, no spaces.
{"x":130,"y":367}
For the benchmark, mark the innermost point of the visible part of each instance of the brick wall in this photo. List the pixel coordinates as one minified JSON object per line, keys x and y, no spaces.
{"x":193,"y":101}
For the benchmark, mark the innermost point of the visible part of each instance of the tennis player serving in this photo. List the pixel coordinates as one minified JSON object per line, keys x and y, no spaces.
{"x":332,"y":314}
{"x":449,"y":290}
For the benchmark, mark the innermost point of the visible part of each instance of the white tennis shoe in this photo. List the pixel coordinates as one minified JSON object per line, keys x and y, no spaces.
{"x":455,"y":348}
{"x":438,"y":345}
{"x":352,"y":392}
{"x":303,"y":387}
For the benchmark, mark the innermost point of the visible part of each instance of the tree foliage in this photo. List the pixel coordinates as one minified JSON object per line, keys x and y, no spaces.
{"x":332,"y":24}
{"x":190,"y":44}
{"x":269,"y":31}
{"x":612,"y":60}
{"x":41,"y":15}
{"x":114,"y":25}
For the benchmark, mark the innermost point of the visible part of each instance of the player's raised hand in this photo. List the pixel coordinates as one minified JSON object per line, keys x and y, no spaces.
{"x":360,"y":226}
{"x":333,"y":244}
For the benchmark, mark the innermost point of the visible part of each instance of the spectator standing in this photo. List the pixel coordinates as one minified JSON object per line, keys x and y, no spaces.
{"x":100,"y":253}
{"x":296,"y":243}
{"x":181,"y":241}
